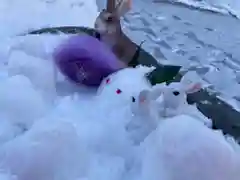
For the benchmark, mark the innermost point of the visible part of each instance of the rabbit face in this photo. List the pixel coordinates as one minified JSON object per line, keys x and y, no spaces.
{"x":106,"y":23}
{"x":174,"y":95}
{"x":124,"y":84}
{"x":109,"y":28}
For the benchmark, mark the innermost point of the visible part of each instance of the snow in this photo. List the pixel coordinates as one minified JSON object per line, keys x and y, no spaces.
{"x":179,"y":155}
{"x":173,"y":35}
{"x":51,"y":129}
{"x":45,"y":13}
{"x":230,"y":7}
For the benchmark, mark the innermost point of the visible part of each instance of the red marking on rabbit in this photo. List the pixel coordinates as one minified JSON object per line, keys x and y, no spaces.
{"x":119,"y":91}
{"x":108,"y":81}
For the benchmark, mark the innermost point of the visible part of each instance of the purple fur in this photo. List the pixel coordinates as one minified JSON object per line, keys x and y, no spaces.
{"x":83,"y":52}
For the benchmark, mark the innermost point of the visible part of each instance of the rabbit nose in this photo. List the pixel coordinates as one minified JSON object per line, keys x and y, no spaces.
{"x":176,"y":93}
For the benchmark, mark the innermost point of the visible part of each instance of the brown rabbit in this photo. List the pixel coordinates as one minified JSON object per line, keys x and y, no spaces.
{"x":108,"y":26}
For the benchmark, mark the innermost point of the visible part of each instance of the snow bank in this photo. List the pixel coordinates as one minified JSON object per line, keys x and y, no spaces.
{"x":51,"y":149}
{"x":182,"y":148}
{"x":44,"y":14}
{"x":230,"y":7}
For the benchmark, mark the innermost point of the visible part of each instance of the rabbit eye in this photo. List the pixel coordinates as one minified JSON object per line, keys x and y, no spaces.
{"x":133,"y":99}
{"x":118,"y":91}
{"x":176,"y":93}
{"x":107,"y":80}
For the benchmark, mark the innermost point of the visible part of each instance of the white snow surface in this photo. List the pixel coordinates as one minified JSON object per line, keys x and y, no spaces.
{"x":52,"y":130}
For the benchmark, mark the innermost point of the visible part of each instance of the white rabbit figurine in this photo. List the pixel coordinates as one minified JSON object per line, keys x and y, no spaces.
{"x":174,"y":100}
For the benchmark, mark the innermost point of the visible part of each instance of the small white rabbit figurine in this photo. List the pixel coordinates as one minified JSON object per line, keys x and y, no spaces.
{"x":173,"y":95}
{"x":174,"y":100}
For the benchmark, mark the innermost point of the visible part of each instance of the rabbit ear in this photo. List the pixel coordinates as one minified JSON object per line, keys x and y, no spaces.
{"x":141,"y":103}
{"x":143,"y":96}
{"x":147,"y":95}
{"x":122,"y":7}
{"x":192,"y":88}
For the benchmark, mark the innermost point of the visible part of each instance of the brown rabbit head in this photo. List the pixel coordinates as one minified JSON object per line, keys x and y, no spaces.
{"x":108,"y":24}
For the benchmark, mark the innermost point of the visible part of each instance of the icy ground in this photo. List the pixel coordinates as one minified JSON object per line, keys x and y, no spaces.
{"x":197,"y":39}
{"x":203,"y":41}
{"x":58,"y":131}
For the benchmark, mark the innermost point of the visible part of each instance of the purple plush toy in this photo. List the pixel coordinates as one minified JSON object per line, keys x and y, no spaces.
{"x":85,"y":60}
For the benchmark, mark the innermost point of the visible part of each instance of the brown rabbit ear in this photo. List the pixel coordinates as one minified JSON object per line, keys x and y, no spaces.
{"x":122,"y":8}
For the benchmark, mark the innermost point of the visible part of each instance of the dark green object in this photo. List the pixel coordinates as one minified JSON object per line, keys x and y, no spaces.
{"x":134,"y":62}
{"x":162,"y":73}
